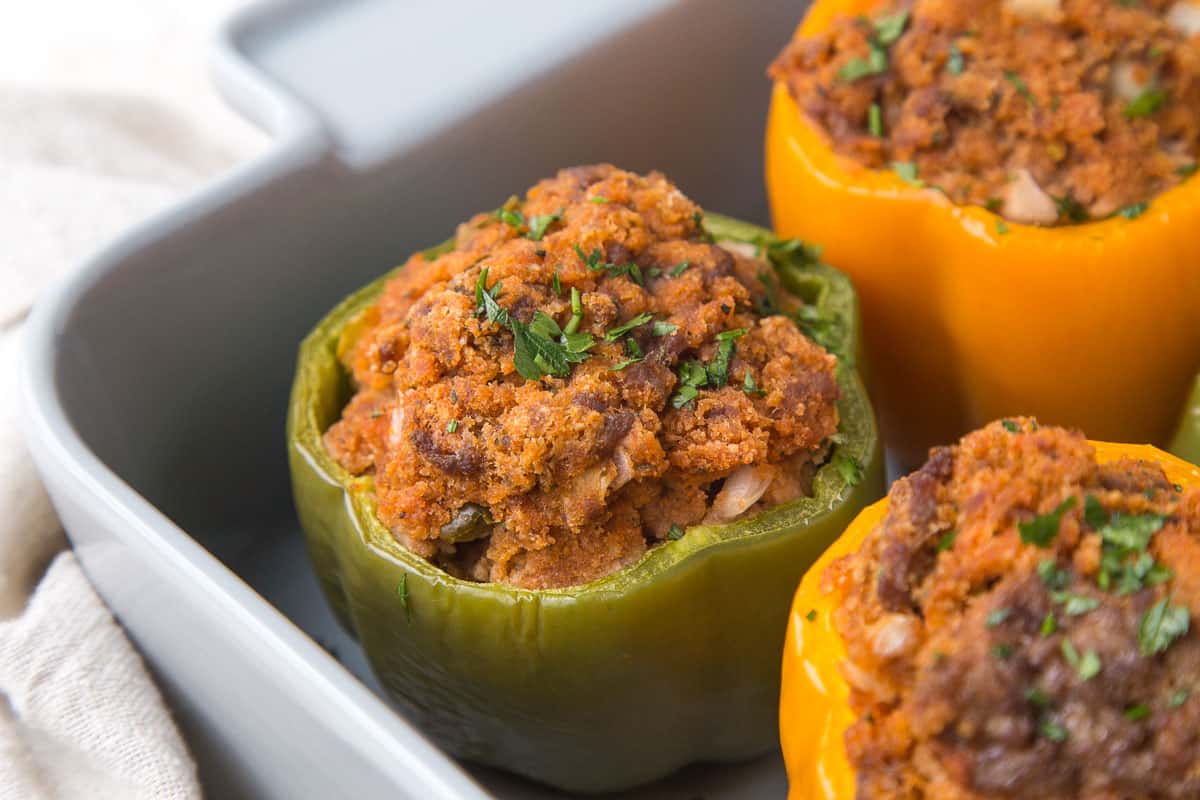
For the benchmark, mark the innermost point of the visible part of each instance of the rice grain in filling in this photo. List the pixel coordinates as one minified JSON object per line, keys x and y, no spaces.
{"x":1045,"y":111}
{"x":679,"y":402}
{"x":1018,"y":626}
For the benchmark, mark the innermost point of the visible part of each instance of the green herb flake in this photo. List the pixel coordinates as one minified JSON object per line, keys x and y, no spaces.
{"x":1070,"y":654}
{"x":718,"y":368}
{"x":1075,"y":605}
{"x":1093,"y":513}
{"x":1042,"y":529}
{"x":1002,"y":650}
{"x":512,"y":217}
{"x":1001,"y":227}
{"x":849,"y":468}
{"x":1146,"y":103}
{"x":947,"y":541}
{"x":540,"y":223}
{"x":662,"y":328}
{"x":616,"y":333}
{"x":997,"y":617}
{"x":1132,"y":532}
{"x":692,"y":375}
{"x":452,"y":426}
{"x":811,"y":616}
{"x":1052,"y":576}
{"x":1037,"y":697}
{"x":556,"y":283}
{"x":1049,"y":624}
{"x":876,"y":63}
{"x":1187,"y":170}
{"x":875,"y":120}
{"x":1178,"y":698}
{"x":907,"y":171}
{"x":634,"y":352}
{"x":1011,"y":426}
{"x":749,"y":386}
{"x":1071,"y":209}
{"x":888,"y":29}
{"x":1138,"y":712}
{"x":597,"y":198}
{"x":1133,"y":210}
{"x":955,"y":62}
{"x":675,"y":533}
{"x":1160,"y":626}
{"x":678,"y":269}
{"x":1019,"y":84}
{"x":1089,"y":665}
{"x":1051,"y":730}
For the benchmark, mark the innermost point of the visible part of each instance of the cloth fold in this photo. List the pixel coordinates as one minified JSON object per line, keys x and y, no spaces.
{"x":106,"y":115}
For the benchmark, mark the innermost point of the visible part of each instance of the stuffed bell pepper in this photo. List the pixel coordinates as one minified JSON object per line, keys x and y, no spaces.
{"x":1008,"y":183}
{"x":560,"y":475}
{"x":1013,"y":621}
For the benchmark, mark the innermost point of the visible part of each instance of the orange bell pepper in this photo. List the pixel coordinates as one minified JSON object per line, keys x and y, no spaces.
{"x":1091,"y":326}
{"x":814,"y":709}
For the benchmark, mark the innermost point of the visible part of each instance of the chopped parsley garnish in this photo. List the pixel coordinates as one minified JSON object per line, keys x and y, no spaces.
{"x":1010,"y":426}
{"x":452,"y":426}
{"x":597,"y":198}
{"x":1049,"y":624}
{"x":1052,"y":576}
{"x":955,"y":63}
{"x":1146,"y":103}
{"x":662,"y":328}
{"x":876,"y":63}
{"x":1178,"y":698}
{"x":576,"y":312}
{"x":1075,"y":604}
{"x":1187,"y":170}
{"x":1138,"y":712}
{"x":512,"y":217}
{"x":616,"y":333}
{"x":718,"y":368}
{"x":811,"y":616}
{"x":1071,"y":209}
{"x":556,"y":283}
{"x":1160,"y":626}
{"x":1042,"y":529}
{"x":993,"y":204}
{"x":749,"y":386}
{"x":875,"y":120}
{"x":678,"y":269}
{"x":539,"y":223}
{"x":997,"y":617}
{"x":947,"y":540}
{"x":402,"y":592}
{"x":1001,"y":227}
{"x":675,"y":533}
{"x":849,"y":468}
{"x":1133,"y":210}
{"x":692,"y":376}
{"x":888,"y":29}
{"x":907,"y":171}
{"x":1037,"y":697}
{"x":1019,"y":84}
{"x":1123,"y":537}
{"x":1049,"y":729}
{"x":1093,"y":513}
{"x":1002,"y":650}
{"x":634,"y":353}
{"x":535,"y":351}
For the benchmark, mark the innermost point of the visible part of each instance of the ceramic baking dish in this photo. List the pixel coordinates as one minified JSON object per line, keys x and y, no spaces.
{"x":157,"y":378}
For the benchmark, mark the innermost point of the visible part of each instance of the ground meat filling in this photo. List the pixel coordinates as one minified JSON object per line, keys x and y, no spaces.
{"x":1045,"y":111}
{"x":1018,"y":626}
{"x":583,"y":376}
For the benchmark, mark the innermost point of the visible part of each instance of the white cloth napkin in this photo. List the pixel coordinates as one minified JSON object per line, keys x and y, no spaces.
{"x":105,"y":115}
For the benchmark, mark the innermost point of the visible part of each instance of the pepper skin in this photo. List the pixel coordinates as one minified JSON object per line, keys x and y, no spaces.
{"x":592,"y":688}
{"x":814,"y":708}
{"x":965,"y":324}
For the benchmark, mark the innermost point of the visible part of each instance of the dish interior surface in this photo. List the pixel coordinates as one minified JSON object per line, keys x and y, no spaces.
{"x":173,"y":359}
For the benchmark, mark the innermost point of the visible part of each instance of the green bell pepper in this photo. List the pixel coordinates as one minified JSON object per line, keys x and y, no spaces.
{"x":1185,"y":442}
{"x":671,"y":660}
